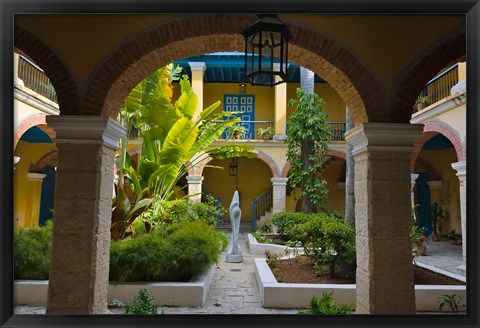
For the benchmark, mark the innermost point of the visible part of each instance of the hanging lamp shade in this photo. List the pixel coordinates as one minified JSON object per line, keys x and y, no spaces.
{"x":266,"y":51}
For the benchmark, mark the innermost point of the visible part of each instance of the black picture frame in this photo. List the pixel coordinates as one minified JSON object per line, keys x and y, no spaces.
{"x":9,"y":8}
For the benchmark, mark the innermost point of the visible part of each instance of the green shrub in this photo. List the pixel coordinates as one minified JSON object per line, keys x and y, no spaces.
{"x":185,"y":250}
{"x":283,"y":220}
{"x":223,"y":239}
{"x":32,"y":249}
{"x":142,"y":303}
{"x":329,"y":242}
{"x":325,"y":305}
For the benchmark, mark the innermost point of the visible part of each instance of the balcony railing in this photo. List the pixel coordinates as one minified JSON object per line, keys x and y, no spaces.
{"x":35,"y":79}
{"x":338,"y":131}
{"x":439,"y":87}
{"x":251,"y":129}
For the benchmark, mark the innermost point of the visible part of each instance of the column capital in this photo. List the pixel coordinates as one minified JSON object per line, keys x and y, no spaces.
{"x":198,"y":66}
{"x":279,"y":181}
{"x":460,"y":167}
{"x":383,"y":137}
{"x":89,"y":129}
{"x":194,"y":179}
{"x":414,"y":177}
{"x":16,"y":159}
{"x":32,"y":176}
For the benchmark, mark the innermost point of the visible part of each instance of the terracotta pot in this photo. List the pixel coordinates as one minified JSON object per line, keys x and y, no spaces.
{"x":434,"y":237}
{"x":236,"y":136}
{"x":420,"y":106}
{"x":421,"y":249}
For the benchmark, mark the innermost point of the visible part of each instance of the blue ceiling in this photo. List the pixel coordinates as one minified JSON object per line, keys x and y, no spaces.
{"x":439,"y":142}
{"x":36,"y":135}
{"x":229,"y":67}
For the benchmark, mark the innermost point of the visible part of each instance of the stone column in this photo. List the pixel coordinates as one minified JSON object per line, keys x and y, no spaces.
{"x":198,"y":68}
{"x":279,"y":194}
{"x":349,"y":175}
{"x":34,"y":194}
{"x":195,"y":188}
{"x":384,"y":280}
{"x":280,"y":105}
{"x":83,"y":204}
{"x":413,"y":178}
{"x":461,"y":168}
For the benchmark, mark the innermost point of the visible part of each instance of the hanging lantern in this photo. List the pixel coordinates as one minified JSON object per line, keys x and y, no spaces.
{"x":266,"y":51}
{"x":242,"y":87}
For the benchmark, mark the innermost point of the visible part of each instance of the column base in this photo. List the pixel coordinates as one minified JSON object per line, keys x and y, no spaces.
{"x":231,"y":258}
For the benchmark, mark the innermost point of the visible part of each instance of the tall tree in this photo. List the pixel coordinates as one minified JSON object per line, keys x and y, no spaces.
{"x":308,"y":132}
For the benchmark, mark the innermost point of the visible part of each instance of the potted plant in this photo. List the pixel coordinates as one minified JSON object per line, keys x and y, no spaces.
{"x":417,"y":235}
{"x":237,"y":131}
{"x":436,"y":212}
{"x":421,"y":102}
{"x":454,"y":237}
{"x":266,"y":133}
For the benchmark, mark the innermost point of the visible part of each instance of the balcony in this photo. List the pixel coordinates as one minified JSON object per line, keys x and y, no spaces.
{"x":34,"y":78}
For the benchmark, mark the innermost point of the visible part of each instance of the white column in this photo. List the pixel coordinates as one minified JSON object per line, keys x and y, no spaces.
{"x":79,"y":268}
{"x":279,"y":194}
{"x":413,"y":178}
{"x":198,"y":68}
{"x":461,"y":168}
{"x":195,"y":188}
{"x":280,"y":105}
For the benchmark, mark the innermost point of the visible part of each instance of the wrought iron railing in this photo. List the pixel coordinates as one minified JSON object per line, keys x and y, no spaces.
{"x":34,"y":78}
{"x":338,"y":131}
{"x":260,"y":205}
{"x":439,"y":87}
{"x":218,"y":203}
{"x":252,"y":129}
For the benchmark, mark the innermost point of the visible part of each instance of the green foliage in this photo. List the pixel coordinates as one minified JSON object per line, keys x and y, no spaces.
{"x":223,"y":239}
{"x":417,"y":232}
{"x":236,"y":129}
{"x":31,"y":249}
{"x":143,"y":303}
{"x":436,"y":212}
{"x":452,"y":301}
{"x":181,"y":251}
{"x":258,"y":235}
{"x":308,"y":132}
{"x":282,"y":220}
{"x":325,"y":305}
{"x":266,"y":133}
{"x":423,"y":100}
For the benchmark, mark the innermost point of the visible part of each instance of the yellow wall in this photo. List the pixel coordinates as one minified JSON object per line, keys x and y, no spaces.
{"x":25,"y":200}
{"x":335,"y":106}
{"x":441,"y":160}
{"x":253,"y":180}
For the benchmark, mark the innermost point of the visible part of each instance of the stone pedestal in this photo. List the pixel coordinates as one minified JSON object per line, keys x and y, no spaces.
{"x":83,"y":204}
{"x":231,"y":258}
{"x":279,"y":194}
{"x":383,"y":217}
{"x":195,"y":188}
{"x":461,"y":168}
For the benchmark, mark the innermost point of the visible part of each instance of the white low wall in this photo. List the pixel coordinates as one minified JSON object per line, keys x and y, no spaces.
{"x":297,"y":296}
{"x":257,"y":248}
{"x":192,"y":293}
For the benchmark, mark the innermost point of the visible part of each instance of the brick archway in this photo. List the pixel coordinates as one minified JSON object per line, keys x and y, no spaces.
{"x":332,"y":152}
{"x":34,"y":120}
{"x":431,"y":129}
{"x":408,"y":87}
{"x":39,"y":166}
{"x":66,"y":87}
{"x":157,"y":46}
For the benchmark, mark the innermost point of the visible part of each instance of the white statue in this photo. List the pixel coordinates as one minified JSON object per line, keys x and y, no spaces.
{"x":234,"y":254}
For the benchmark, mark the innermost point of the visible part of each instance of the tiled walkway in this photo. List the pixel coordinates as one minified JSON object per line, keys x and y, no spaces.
{"x":234,"y":288}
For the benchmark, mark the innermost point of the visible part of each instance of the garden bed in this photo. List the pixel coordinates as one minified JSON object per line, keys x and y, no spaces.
{"x":276,"y":294}
{"x":257,"y":248}
{"x":191,"y":293}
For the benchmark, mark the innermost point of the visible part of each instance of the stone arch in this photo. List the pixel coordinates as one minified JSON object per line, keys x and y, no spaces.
{"x":66,"y":87}
{"x":431,"y":128}
{"x":39,"y":166}
{"x":410,"y":84}
{"x":261,"y":156}
{"x":159,"y":45}
{"x":38,"y":120}
{"x":331,"y":152}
